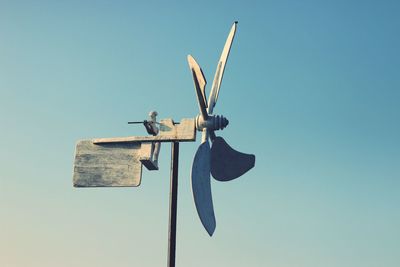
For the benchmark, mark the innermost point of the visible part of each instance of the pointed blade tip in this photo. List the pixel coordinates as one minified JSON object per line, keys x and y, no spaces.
{"x":211,"y":231}
{"x":189,"y":59}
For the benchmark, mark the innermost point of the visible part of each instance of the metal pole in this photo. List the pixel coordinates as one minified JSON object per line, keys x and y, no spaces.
{"x":173,"y":199}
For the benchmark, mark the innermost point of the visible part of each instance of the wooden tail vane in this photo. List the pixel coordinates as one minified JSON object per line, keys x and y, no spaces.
{"x":117,"y":162}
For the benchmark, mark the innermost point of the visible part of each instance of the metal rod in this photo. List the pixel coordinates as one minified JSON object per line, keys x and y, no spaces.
{"x":173,"y":203}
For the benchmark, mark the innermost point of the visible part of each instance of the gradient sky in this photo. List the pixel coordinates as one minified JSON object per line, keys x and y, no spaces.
{"x":311,"y":87}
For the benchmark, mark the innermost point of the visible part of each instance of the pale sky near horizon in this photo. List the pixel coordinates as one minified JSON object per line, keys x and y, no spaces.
{"x":312,"y":88}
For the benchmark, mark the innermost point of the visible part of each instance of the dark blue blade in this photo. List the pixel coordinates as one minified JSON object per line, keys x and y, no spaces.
{"x":227,"y":163}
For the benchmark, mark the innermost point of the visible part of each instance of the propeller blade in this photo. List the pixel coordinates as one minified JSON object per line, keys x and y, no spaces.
{"x":227,"y":163}
{"x":201,"y":187}
{"x":219,"y":73}
{"x":200,"y":85}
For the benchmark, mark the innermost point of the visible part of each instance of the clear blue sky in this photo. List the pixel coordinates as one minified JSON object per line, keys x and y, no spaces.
{"x":311,"y":87}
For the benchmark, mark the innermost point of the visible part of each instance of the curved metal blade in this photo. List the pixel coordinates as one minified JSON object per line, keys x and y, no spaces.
{"x":200,"y":85}
{"x":227,"y":163}
{"x":201,"y":187}
{"x":219,"y":73}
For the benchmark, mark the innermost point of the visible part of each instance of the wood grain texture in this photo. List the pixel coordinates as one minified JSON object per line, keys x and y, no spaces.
{"x":185,"y":131}
{"x":107,"y":165}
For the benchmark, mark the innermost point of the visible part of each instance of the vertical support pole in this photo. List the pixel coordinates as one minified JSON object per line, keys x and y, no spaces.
{"x":173,"y":203}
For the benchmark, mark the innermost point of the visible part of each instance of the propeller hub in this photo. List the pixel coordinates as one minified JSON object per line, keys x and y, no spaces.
{"x":214,"y":122}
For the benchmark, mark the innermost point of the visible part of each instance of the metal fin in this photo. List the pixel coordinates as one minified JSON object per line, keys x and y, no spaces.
{"x":201,"y":187}
{"x":199,"y":85}
{"x":227,"y":163}
{"x":219,"y":73}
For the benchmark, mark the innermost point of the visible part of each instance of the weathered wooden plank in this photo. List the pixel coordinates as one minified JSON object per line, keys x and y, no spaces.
{"x":185,"y":131}
{"x":99,"y":165}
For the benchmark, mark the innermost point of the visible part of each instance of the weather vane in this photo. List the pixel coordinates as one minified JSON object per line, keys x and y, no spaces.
{"x":117,"y":162}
